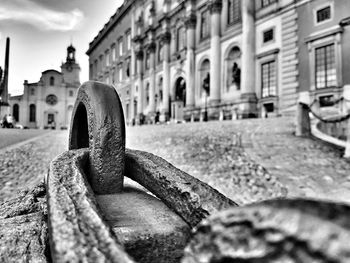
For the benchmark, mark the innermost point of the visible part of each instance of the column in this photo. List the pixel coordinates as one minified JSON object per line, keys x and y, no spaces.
{"x":152,"y":74}
{"x":139,"y":83}
{"x":215,"y":51}
{"x":248,"y":95}
{"x":166,"y":75}
{"x":190,"y":63}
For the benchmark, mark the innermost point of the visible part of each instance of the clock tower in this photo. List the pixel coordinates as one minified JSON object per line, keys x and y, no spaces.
{"x":70,"y":68}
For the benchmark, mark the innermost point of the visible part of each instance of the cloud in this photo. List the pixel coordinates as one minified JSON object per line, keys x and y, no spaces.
{"x":41,"y":17}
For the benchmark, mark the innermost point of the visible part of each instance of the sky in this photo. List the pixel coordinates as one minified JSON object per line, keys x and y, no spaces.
{"x":41,"y":30}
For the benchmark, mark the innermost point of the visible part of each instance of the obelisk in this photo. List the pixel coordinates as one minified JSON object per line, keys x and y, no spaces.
{"x":4,"y":96}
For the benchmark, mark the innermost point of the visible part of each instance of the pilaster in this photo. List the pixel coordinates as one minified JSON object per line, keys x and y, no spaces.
{"x":190,"y":23}
{"x":139,"y":57}
{"x":215,"y":52}
{"x":248,"y":106}
{"x":152,"y":104}
{"x":165,"y":38}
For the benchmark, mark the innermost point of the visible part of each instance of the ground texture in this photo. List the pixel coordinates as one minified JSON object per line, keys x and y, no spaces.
{"x":211,"y":152}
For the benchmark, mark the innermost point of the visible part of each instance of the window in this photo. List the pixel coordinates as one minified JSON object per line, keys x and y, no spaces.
{"x":51,"y":99}
{"x":180,"y":38}
{"x":234,"y":11}
{"x":267,"y":2}
{"x":268,"y":35}
{"x":120,"y":44}
{"x":325,"y":70}
{"x":107,"y":58}
{"x":205,"y":22}
{"x":114,"y":55}
{"x":120,"y":73}
{"x":32,"y":91}
{"x":128,"y":40}
{"x":127,"y":110}
{"x":71,"y":93}
{"x":323,"y":14}
{"x":147,"y":60}
{"x":160,"y":52}
{"x":268,"y":79}
{"x":32,"y":112}
{"x":52,"y":81}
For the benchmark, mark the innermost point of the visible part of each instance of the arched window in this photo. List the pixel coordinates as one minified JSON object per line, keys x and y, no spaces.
{"x":71,"y":93}
{"x":15,"y":112}
{"x":52,"y":81}
{"x":32,"y":91}
{"x":32,"y":112}
{"x":233,"y":69}
{"x":205,"y":78}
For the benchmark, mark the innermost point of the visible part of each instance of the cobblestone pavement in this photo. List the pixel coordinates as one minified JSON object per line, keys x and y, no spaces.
{"x":24,"y":165}
{"x":306,"y":167}
{"x":11,"y":136}
{"x":210,"y":152}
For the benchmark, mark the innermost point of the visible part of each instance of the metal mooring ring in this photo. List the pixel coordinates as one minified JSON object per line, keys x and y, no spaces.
{"x":98,"y":124}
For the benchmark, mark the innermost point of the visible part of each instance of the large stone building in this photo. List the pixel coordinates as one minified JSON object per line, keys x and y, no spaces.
{"x":223,"y":59}
{"x":49,"y":102}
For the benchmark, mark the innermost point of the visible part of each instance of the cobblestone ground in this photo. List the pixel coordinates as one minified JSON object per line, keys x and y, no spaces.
{"x":209,"y":151}
{"x":306,"y":167}
{"x":25,"y":164}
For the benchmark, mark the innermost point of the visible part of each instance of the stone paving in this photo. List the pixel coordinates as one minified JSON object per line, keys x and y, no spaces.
{"x":211,"y":152}
{"x":24,"y":165}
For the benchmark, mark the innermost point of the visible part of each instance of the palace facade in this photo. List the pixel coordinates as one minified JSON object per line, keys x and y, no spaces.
{"x":49,"y":102}
{"x":219,"y":59}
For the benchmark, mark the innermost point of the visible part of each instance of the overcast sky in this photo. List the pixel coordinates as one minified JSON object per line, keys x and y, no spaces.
{"x":41,"y":30}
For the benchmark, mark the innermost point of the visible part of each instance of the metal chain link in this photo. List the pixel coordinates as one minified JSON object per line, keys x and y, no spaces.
{"x":335,"y":120}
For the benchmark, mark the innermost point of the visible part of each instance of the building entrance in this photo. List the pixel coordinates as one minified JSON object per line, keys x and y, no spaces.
{"x":51,"y":121}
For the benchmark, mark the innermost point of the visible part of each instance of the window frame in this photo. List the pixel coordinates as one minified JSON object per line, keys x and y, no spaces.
{"x":273,"y":29}
{"x":270,"y":94}
{"x":325,"y":64}
{"x":319,"y":8}
{"x":239,"y":17}
{"x":201,"y":36}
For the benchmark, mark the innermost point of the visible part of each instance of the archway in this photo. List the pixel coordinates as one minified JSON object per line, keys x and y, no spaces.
{"x":15,"y":112}
{"x":180,"y":90}
{"x":179,"y":100}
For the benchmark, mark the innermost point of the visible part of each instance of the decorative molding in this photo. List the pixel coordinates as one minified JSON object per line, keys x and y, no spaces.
{"x":267,"y":53}
{"x":151,"y":47}
{"x":139,"y":54}
{"x":215,"y":6}
{"x":165,"y":37}
{"x":191,"y":21}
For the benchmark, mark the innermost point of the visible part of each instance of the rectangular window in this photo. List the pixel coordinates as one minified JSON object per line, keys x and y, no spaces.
{"x":268,"y":79}
{"x":128,"y":41}
{"x":120,"y":71}
{"x":113,"y":53}
{"x":180,"y":38}
{"x":160,"y":52}
{"x":267,"y":2}
{"x":107,"y":59}
{"x":234,"y":11}
{"x":205,"y":23}
{"x":120,"y":44}
{"x":325,"y":68}
{"x":268,"y":35}
{"x":323,"y":14}
{"x":127,"y":110}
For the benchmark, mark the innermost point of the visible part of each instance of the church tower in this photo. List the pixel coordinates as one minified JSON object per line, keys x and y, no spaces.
{"x":71,"y":68}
